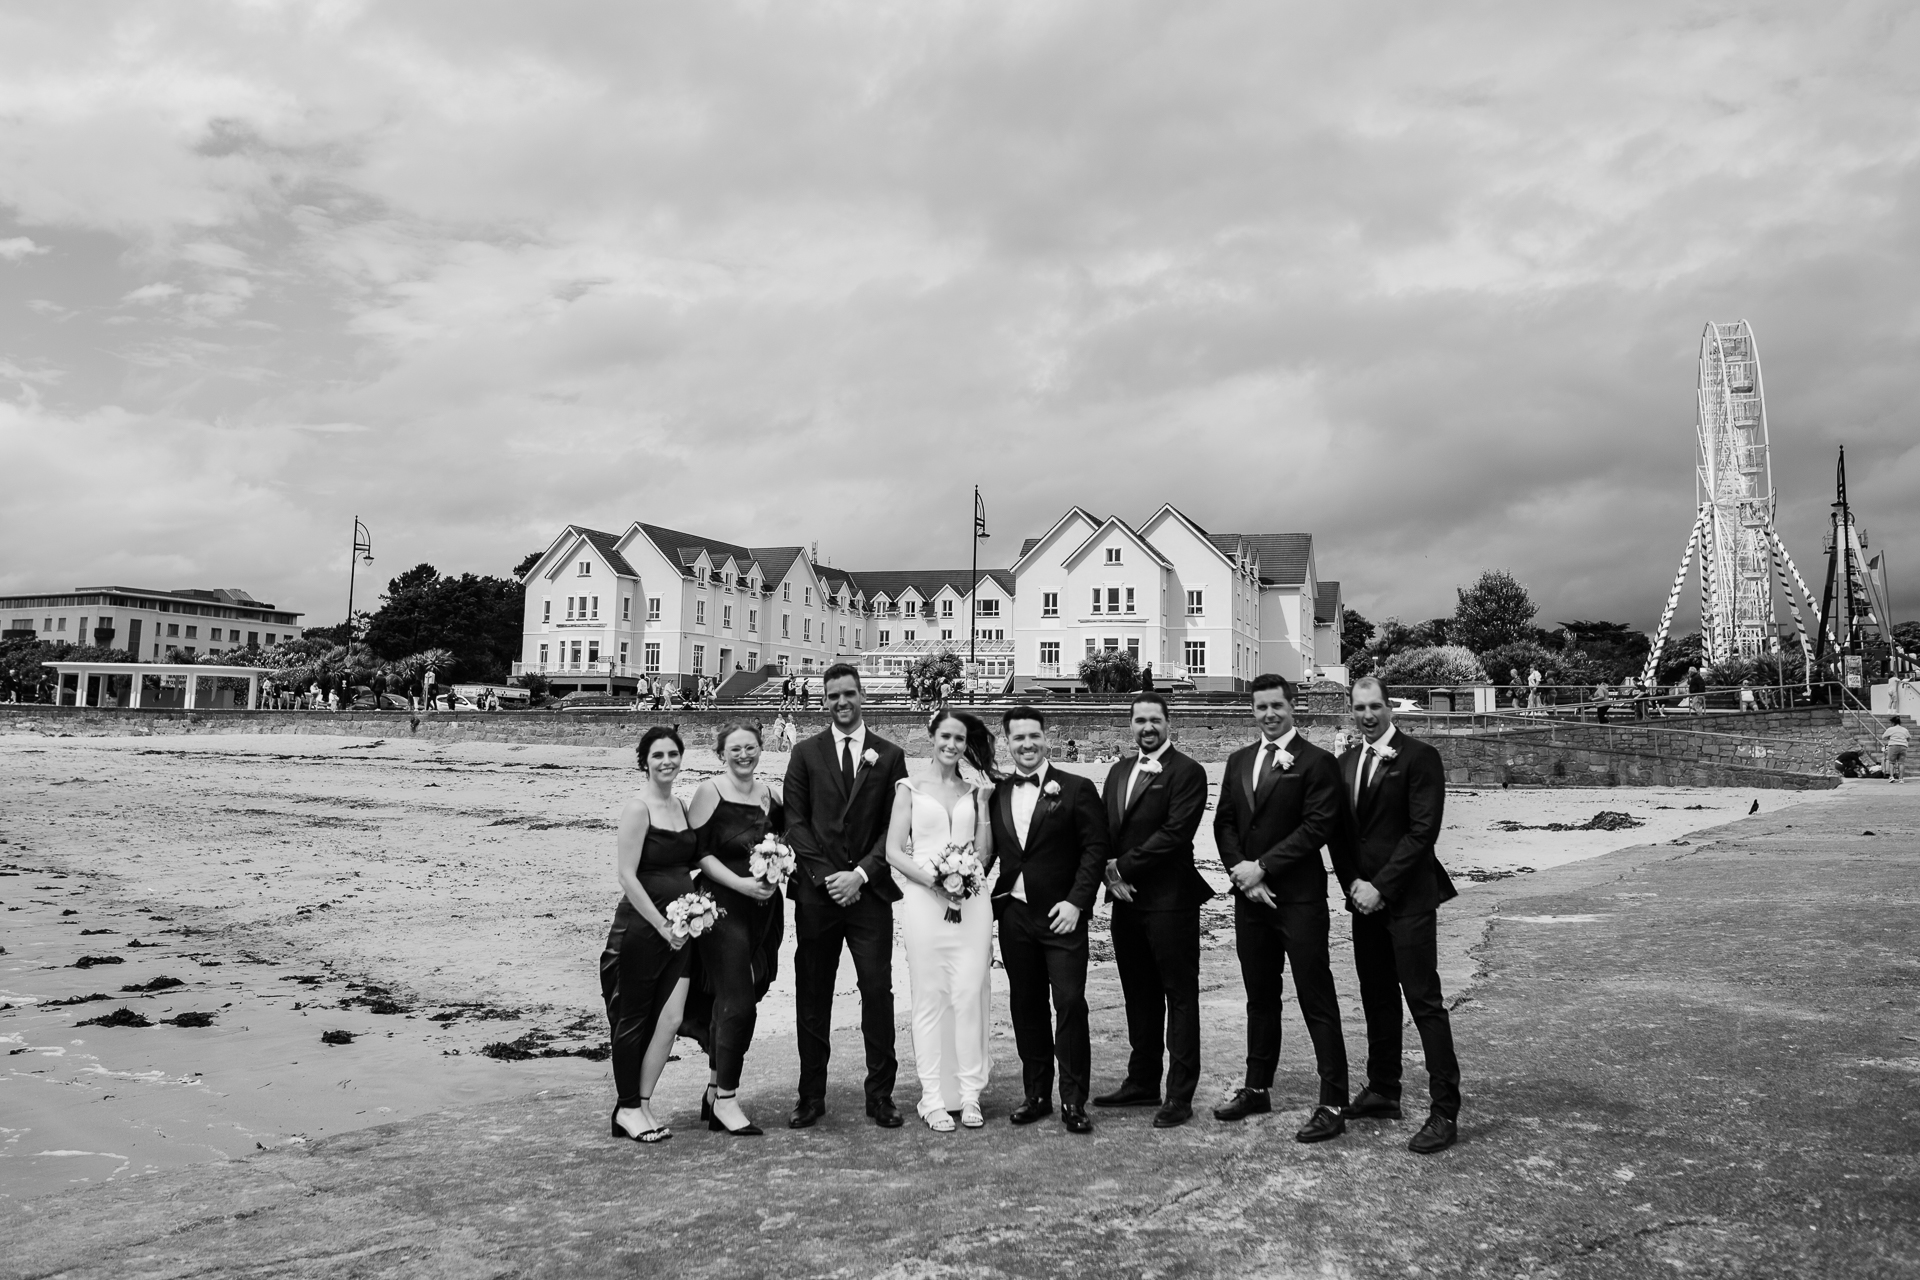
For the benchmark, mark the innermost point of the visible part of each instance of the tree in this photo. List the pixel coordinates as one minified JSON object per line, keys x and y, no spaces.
{"x":942,"y":664}
{"x":1615,"y":649}
{"x":1433,"y":666}
{"x":531,"y":559}
{"x":1110,"y":671}
{"x":1687,"y":651}
{"x":1495,"y":610}
{"x":477,"y":619}
{"x":1356,"y":633}
{"x":1906,"y":635}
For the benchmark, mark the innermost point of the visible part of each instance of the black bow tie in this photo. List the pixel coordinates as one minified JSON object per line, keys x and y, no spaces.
{"x":1026,"y":779}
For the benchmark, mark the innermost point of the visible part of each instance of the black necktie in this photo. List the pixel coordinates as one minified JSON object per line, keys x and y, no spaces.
{"x":1026,"y":779}
{"x":1266,"y":762}
{"x":846,"y":762}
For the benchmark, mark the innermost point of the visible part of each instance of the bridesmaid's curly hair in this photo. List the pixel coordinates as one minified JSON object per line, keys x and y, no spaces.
{"x":980,"y":745}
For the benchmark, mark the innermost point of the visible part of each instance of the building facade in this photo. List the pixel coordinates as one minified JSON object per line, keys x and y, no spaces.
{"x":604,"y":610}
{"x":148,"y":624}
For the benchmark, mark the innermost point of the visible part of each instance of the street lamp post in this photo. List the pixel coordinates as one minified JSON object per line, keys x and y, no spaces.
{"x":362,"y":552}
{"x":973,"y":590}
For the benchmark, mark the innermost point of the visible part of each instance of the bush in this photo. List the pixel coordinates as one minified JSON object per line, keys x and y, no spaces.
{"x":1432,"y":666}
{"x":1110,"y":671}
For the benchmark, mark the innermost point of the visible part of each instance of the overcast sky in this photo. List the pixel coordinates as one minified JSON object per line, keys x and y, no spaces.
{"x":1426,"y":281}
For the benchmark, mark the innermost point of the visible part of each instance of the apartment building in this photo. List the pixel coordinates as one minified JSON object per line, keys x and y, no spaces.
{"x":150,"y":624}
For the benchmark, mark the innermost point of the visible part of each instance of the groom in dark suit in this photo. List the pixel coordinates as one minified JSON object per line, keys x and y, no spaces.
{"x":1396,"y":788}
{"x":1280,"y":802}
{"x":838,"y":797}
{"x":1155,"y":800}
{"x":1050,"y":832}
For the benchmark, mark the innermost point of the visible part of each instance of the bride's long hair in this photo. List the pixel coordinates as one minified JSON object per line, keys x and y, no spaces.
{"x":980,"y":744}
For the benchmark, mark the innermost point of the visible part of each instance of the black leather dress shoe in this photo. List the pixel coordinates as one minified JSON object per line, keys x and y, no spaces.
{"x":1372,"y":1106}
{"x":1437,"y":1134}
{"x":1172,"y":1116}
{"x":1129,"y":1095}
{"x":1074,"y":1116}
{"x":1244,"y":1103}
{"x":807,"y":1113}
{"x":885,"y":1114}
{"x":1324,"y":1123}
{"x":1030,"y":1110}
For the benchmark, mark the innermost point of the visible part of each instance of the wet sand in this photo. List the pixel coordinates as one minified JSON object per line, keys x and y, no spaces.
{"x":430,"y":900}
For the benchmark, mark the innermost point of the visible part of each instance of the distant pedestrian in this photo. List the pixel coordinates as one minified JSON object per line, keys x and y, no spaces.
{"x":1896,"y":737}
{"x":1146,"y":678}
{"x":1747,"y":702}
{"x":333,"y":699}
{"x":1533,"y":688}
{"x":431,"y":686}
{"x":1696,"y":690}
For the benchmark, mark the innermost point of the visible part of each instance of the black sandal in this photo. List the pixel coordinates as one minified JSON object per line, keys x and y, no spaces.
{"x":706,"y":1103}
{"x":716,"y":1125}
{"x":659,"y":1133}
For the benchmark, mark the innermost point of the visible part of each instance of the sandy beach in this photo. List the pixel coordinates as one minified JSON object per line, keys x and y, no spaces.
{"x":430,"y":901}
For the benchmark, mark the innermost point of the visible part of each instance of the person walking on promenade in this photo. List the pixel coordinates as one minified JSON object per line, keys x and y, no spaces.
{"x":949,"y":940}
{"x":1533,"y":688}
{"x":1896,"y":737}
{"x":1280,"y":801}
{"x":838,"y":793}
{"x":1747,"y":701}
{"x":731,"y":814}
{"x":1396,"y":790}
{"x":1155,"y":802}
{"x":1051,"y":833}
{"x":644,"y":968}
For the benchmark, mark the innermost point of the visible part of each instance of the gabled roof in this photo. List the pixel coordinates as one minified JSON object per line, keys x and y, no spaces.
{"x":1284,"y":557}
{"x":1026,"y":547}
{"x":1227,"y":545}
{"x":607,"y":544}
{"x":1115,"y":522}
{"x":1326,"y":601}
{"x":776,"y":561}
{"x":894,"y":583}
{"x":683,"y":549}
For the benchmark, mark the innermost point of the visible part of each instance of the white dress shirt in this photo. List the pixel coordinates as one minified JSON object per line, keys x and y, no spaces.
{"x":859,"y":740}
{"x":1283,"y":742}
{"x":1133,"y":779}
{"x":1024,"y":801}
{"x":1369,"y":761}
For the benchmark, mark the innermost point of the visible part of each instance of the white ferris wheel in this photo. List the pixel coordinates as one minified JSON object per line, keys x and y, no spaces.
{"x":1742,"y":559}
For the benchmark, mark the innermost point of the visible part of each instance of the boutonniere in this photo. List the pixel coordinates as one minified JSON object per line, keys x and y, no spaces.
{"x":1051,"y":789}
{"x":1149,"y":766}
{"x":1386,"y":753}
{"x":869,"y":756}
{"x":1283,"y":760}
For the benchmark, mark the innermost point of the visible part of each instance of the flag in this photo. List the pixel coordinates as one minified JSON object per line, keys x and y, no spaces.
{"x":979,"y":515}
{"x":1875,"y":562}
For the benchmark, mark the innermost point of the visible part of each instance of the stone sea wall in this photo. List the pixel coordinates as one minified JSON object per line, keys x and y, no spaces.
{"x":1768,"y":749}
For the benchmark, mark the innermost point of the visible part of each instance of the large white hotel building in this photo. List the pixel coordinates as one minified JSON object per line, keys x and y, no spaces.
{"x":603,"y":609}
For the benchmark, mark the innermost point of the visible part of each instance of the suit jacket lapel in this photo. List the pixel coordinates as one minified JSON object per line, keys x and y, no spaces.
{"x":1246,"y":788}
{"x":1349,"y":766}
{"x":1041,"y":808}
{"x":1147,"y":780}
{"x":1117,"y":794}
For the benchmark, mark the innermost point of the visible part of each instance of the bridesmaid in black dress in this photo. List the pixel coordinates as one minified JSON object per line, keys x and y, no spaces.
{"x":644,"y":970}
{"x":731,"y":813}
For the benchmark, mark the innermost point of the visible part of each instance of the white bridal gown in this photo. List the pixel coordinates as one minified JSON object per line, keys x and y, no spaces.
{"x":948,"y":965}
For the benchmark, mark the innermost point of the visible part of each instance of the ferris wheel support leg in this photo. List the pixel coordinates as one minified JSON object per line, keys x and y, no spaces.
{"x":1785,"y":560}
{"x":1711,"y":641}
{"x":1673,"y":602}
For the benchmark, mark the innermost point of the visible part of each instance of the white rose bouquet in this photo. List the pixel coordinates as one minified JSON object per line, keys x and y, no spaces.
{"x":957,"y":870}
{"x":692,"y":914}
{"x":772,"y":861}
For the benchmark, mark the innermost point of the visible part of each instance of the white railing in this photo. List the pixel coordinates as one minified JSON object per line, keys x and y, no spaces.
{"x":602,"y":668}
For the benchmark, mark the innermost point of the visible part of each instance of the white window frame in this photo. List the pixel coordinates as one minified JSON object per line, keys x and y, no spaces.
{"x":626,"y":608}
{"x":1195,"y":649}
{"x":586,"y":569}
{"x":1196,"y":602}
{"x":1050,"y":653}
{"x":699,"y":613}
{"x":1113,"y":555}
{"x":653,"y":608}
{"x":650,"y":657}
{"x":1049,"y":604}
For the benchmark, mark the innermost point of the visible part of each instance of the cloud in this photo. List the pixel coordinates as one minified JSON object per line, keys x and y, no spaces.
{"x":1428,"y":282}
{"x":14,"y":248}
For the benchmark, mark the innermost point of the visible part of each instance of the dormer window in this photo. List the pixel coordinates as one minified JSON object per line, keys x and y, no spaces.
{"x":1113,"y":555}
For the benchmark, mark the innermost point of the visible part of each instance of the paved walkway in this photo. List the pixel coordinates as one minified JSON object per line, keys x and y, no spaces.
{"x":1680,"y":1060}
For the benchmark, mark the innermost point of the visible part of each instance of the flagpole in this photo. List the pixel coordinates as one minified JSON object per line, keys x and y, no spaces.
{"x":973,"y":589}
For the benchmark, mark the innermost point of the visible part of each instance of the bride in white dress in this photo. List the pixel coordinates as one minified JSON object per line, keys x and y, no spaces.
{"x":949,"y":965}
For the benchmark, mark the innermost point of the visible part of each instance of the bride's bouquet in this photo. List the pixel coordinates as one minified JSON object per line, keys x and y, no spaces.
{"x":772,"y":861}
{"x":692,"y":914}
{"x":956,"y":869}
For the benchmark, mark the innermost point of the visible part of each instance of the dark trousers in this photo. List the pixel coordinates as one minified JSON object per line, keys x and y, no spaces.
{"x":1158,"y":955}
{"x":1043,"y":965}
{"x":1267,"y":938}
{"x":1398,"y":954}
{"x":638,"y":971}
{"x":729,"y":954}
{"x":866,"y":929}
